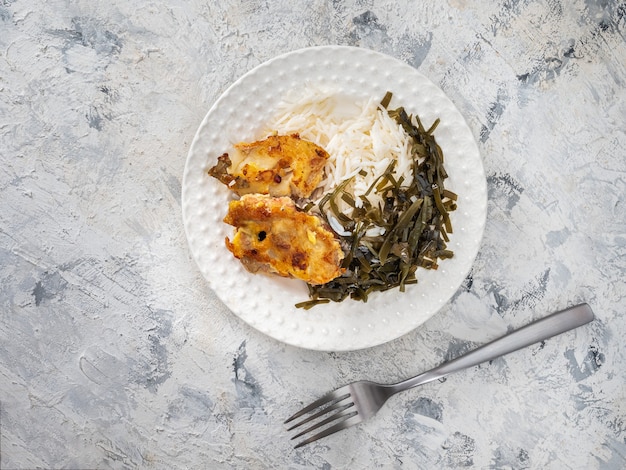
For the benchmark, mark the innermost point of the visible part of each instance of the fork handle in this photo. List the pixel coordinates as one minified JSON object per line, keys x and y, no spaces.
{"x":540,"y":330}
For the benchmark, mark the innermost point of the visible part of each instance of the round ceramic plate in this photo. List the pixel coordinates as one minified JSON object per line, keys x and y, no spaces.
{"x":267,"y":302}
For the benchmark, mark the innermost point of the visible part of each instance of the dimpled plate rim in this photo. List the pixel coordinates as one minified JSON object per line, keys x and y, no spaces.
{"x":267,"y":302}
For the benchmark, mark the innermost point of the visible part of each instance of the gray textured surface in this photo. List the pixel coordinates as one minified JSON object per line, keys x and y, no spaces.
{"x":113,"y":352}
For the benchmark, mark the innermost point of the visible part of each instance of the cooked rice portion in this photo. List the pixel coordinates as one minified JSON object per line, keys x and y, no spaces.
{"x":361,"y":139}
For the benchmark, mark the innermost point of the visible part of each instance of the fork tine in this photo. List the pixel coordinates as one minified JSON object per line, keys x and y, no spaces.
{"x":351,"y":421}
{"x":339,"y":405}
{"x":337,"y":395}
{"x":346,"y":413}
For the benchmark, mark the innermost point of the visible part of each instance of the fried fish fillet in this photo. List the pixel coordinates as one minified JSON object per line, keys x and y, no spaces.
{"x":281,"y":165}
{"x":272,"y":236}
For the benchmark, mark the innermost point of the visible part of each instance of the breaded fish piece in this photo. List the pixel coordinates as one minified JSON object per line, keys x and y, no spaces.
{"x":281,"y":165}
{"x":272,"y":236}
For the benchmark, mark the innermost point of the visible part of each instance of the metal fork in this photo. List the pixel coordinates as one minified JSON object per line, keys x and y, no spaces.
{"x":360,"y":400}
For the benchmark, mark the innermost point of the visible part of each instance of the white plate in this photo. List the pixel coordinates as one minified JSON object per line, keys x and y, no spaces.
{"x":267,"y":303}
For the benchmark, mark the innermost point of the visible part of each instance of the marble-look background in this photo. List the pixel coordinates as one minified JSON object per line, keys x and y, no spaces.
{"x":115,"y":354}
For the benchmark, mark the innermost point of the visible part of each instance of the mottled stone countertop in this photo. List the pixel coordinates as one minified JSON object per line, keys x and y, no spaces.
{"x":114,"y":353}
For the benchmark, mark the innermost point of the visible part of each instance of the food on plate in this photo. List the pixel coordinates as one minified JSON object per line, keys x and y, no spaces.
{"x":272,"y":236}
{"x":349,"y":198}
{"x":280,"y":165}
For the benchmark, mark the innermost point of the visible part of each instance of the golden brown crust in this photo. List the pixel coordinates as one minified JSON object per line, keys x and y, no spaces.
{"x":273,"y":236}
{"x":281,"y":165}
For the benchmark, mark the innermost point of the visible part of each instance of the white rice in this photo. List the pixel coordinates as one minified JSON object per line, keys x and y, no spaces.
{"x":357,"y":136}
